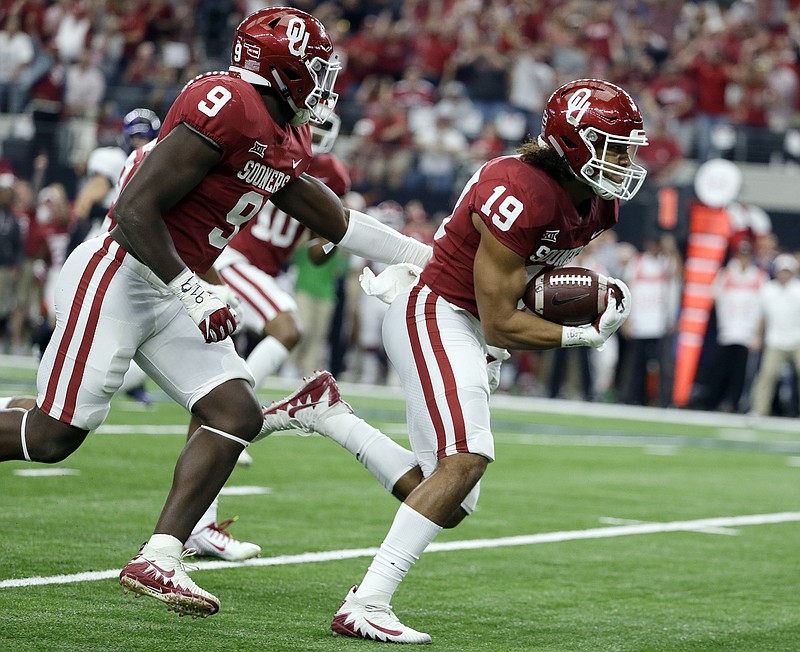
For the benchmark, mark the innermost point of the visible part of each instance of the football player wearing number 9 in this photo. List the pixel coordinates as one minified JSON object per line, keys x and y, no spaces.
{"x":516,"y":216}
{"x":230,"y":142}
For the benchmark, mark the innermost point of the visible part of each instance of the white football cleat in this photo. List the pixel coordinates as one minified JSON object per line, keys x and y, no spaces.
{"x":245,"y":459}
{"x":215,"y":541}
{"x":163,"y":577}
{"x":357,"y":619}
{"x":306,"y":409}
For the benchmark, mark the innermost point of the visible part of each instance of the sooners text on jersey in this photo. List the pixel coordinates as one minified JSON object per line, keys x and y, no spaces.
{"x":259,"y":157}
{"x":269,"y":240}
{"x":527,"y":211}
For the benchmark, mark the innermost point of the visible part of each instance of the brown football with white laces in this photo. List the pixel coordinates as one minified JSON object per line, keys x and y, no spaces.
{"x":571,"y":296}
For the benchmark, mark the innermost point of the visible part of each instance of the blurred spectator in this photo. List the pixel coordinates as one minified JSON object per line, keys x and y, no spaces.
{"x":784,"y":82}
{"x":441,"y":150}
{"x":484,"y":72}
{"x":11,"y":250}
{"x":104,"y":167}
{"x":315,"y":294}
{"x":568,"y":58}
{"x":671,"y":93}
{"x":486,"y":146}
{"x":433,"y":46}
{"x":394,"y":44}
{"x":412,"y":90}
{"x":74,"y":31}
{"x":780,"y":342}
{"x":737,"y":289}
{"x":84,"y":89}
{"x":751,"y":96}
{"x":418,"y":224}
{"x":663,"y":154}
{"x":712,"y":74}
{"x":107,"y":45}
{"x":55,"y":218}
{"x":16,"y":54}
{"x":653,"y":278}
{"x":383,"y":155}
{"x":532,"y":81}
{"x":454,"y":103}
{"x":46,"y":102}
{"x":24,"y":318}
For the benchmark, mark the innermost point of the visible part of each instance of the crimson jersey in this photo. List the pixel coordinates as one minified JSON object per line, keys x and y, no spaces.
{"x":259,"y":157}
{"x":269,"y":240}
{"x":527,"y":211}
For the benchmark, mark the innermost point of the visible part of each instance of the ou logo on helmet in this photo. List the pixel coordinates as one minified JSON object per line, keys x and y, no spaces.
{"x":298,"y":36}
{"x":578,"y":103}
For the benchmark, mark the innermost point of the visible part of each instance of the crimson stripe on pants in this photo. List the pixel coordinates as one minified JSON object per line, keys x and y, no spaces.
{"x":69,"y":330}
{"x":448,"y":377}
{"x":243,"y":295}
{"x":445,"y":370}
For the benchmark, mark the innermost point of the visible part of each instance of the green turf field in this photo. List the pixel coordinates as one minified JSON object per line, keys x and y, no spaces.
{"x":599,"y":528}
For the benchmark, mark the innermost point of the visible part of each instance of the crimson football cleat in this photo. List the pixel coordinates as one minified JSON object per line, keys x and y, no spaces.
{"x":571,"y":296}
{"x":163,"y":577}
{"x":358,"y":619}
{"x":306,"y":409}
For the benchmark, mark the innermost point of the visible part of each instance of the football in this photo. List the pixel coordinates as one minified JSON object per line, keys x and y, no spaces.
{"x":571,"y":296}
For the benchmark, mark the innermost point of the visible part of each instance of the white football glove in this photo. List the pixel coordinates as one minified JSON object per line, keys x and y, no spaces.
{"x":494,"y":361}
{"x":615,"y":314}
{"x":215,"y":319}
{"x":390,"y":282}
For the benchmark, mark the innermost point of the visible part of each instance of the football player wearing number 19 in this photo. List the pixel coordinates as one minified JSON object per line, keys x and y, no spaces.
{"x":516,"y":216}
{"x":230,"y":142}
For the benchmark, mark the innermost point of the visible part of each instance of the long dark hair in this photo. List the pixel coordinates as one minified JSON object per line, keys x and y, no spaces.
{"x":546,"y":159}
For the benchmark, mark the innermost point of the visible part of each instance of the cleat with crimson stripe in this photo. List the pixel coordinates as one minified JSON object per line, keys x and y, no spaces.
{"x":358,"y":619}
{"x":163,"y":577}
{"x":308,"y":408}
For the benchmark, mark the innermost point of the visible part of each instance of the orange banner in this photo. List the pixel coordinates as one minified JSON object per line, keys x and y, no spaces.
{"x":709,"y":231}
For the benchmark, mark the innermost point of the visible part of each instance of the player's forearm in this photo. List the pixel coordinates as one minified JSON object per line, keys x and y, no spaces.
{"x":521,"y":331}
{"x":150,"y":242}
{"x":93,"y":192}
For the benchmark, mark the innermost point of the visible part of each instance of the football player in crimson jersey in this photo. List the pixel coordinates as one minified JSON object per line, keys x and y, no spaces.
{"x":256,"y":256}
{"x":516,"y":216}
{"x":248,"y":269}
{"x":230,"y":142}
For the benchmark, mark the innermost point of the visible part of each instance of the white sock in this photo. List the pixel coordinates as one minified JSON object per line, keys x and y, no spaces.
{"x":408,"y":537}
{"x":166,"y":544}
{"x":4,"y":401}
{"x":266,"y":358}
{"x":209,"y":517}
{"x":383,"y":457}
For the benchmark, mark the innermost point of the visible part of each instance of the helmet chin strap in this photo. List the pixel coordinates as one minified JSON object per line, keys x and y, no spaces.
{"x":301,"y":116}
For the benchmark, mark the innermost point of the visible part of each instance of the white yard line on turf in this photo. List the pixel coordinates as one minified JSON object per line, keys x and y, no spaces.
{"x":472,"y":544}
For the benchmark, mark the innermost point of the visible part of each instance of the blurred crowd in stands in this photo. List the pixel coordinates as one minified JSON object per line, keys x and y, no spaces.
{"x":429,"y":91}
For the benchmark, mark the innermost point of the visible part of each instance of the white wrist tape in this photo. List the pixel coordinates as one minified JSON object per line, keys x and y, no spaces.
{"x":575,"y":336}
{"x":368,"y":238}
{"x":186,"y":286}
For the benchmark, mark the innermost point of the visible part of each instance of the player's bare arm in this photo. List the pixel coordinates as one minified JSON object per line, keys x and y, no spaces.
{"x":92,"y":193}
{"x":312,"y":203}
{"x":500,"y":279}
{"x":175,"y":166}
{"x":315,"y":205}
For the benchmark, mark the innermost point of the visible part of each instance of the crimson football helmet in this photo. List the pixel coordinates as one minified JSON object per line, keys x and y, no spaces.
{"x":587,"y":120}
{"x":289,"y":50}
